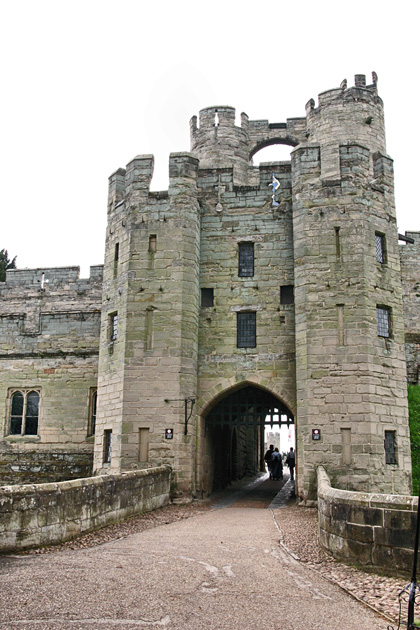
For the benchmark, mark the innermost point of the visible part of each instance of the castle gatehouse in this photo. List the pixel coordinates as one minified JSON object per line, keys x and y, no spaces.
{"x":241,"y":298}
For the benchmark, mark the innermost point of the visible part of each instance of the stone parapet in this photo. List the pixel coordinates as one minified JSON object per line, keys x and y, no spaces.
{"x":50,"y":513}
{"x":375,"y":531}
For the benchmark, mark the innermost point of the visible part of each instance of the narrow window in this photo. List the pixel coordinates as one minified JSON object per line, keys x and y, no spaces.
{"x":116,"y":258}
{"x":246,"y":260}
{"x":286,"y":294}
{"x":380,"y":248}
{"x":149,"y":330}
{"x":389,"y":444}
{"x":207,"y":297}
{"x":152,"y":244}
{"x":24,"y":412}
{"x":246,"y":330}
{"x":93,"y":397}
{"x":337,"y":242}
{"x":340,"y":318}
{"x":113,"y":326}
{"x":346,"y":447}
{"x":383,"y":316}
{"x":143,"y":446}
{"x":107,"y":446}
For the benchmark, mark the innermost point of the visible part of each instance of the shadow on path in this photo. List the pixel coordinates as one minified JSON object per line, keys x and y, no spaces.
{"x":260,"y":492}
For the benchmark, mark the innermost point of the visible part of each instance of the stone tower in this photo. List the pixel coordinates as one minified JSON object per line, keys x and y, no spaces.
{"x":350,"y":361}
{"x":322,"y":296}
{"x":148,"y":347}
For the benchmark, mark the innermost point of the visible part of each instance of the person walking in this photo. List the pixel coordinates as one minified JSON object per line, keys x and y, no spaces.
{"x":277,"y":465}
{"x":268,"y":458}
{"x":291,"y":461}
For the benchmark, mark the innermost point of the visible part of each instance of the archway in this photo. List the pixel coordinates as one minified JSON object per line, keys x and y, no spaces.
{"x":235,"y":429}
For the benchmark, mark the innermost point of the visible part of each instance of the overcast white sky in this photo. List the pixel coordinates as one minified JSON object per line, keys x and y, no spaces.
{"x":87,"y":85}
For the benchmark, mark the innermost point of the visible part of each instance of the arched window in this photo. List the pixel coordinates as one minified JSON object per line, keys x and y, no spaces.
{"x":24,"y":412}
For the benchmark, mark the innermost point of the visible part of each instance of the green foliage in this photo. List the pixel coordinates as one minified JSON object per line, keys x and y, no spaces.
{"x":414,"y":415}
{"x":5,"y":263}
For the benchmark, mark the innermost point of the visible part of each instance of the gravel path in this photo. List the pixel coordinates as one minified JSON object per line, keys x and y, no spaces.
{"x":297,"y":533}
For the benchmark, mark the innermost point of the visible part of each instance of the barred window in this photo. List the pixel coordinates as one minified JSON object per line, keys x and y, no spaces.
{"x":107,"y":446}
{"x":380,"y":248}
{"x":390,"y":451}
{"x":93,"y":398}
{"x":246,"y":330}
{"x":246,"y":260}
{"x":24,"y":412}
{"x":383,"y":316}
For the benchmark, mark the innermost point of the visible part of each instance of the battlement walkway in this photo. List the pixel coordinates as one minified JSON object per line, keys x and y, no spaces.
{"x":223,"y":568}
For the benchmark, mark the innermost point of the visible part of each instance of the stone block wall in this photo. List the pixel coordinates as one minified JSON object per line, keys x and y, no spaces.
{"x":49,"y":338}
{"x":46,"y":514}
{"x":245,"y":214}
{"x":410,"y":278}
{"x":374,"y":531}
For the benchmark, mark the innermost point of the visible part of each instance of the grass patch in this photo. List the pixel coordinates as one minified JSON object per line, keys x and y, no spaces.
{"x":414,"y":416}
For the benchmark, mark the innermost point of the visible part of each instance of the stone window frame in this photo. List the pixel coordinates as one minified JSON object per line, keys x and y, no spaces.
{"x":384,"y":321}
{"x":107,"y":446}
{"x":207,"y":297}
{"x":243,"y":338}
{"x":390,"y":447}
{"x":287,"y":294}
{"x":25,"y":391}
{"x":93,"y":400}
{"x":246,"y":255}
{"x":380,"y":247}
{"x":113,"y":326}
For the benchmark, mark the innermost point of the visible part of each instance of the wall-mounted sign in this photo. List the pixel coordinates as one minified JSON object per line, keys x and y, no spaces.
{"x":316,"y":434}
{"x":169,"y":434}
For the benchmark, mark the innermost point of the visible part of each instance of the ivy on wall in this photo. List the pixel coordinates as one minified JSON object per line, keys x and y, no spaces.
{"x":414,"y":416}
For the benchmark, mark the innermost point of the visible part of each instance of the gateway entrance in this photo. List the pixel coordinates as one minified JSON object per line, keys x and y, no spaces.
{"x":235,"y":428}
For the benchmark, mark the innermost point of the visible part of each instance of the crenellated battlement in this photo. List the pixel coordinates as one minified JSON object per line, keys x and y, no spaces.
{"x":44,"y":277}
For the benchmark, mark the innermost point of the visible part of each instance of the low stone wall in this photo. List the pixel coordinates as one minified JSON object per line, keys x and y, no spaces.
{"x":44,"y":514}
{"x":375,"y":531}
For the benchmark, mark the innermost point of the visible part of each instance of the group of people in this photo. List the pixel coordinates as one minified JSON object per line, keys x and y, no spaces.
{"x":274,"y":462}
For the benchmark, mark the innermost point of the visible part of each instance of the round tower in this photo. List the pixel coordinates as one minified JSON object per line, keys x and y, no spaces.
{"x":219,"y":143}
{"x":343,"y":115}
{"x":350,"y":355}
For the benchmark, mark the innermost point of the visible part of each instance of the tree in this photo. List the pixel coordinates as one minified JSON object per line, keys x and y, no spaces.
{"x":5,"y":263}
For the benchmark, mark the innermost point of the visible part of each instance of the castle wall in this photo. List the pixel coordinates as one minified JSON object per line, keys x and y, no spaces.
{"x":49,"y":330}
{"x":410,"y":277}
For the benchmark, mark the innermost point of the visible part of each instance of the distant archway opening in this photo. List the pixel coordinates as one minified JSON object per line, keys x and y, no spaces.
{"x":272,"y":152}
{"x":235,"y":428}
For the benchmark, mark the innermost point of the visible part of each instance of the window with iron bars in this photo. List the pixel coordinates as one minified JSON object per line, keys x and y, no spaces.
{"x":380,"y":248}
{"x":389,"y":444}
{"x":383,"y":317}
{"x":246,"y":330}
{"x":246,"y":260}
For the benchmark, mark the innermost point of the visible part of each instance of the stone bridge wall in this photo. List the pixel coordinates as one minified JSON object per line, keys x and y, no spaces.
{"x":50,"y":513}
{"x":375,"y":531}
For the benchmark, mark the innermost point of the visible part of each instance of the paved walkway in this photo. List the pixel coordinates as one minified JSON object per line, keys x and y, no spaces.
{"x":222,"y":569}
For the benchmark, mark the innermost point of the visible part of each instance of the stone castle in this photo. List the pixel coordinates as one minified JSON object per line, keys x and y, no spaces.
{"x":242,"y":297}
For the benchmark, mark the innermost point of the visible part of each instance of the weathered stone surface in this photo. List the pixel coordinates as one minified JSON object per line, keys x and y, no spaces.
{"x":51,"y":513}
{"x":166,"y":359}
{"x":383,"y":543}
